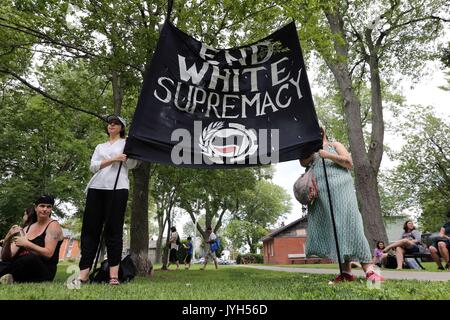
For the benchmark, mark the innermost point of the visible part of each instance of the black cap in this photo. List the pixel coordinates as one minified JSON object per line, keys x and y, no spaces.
{"x":46,"y":199}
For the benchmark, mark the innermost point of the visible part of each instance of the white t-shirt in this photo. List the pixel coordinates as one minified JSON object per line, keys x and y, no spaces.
{"x":212,"y":237}
{"x":173,"y":240}
{"x":105,"y":178}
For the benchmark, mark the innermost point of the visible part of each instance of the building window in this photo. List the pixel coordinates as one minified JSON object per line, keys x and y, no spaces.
{"x":271,"y":249}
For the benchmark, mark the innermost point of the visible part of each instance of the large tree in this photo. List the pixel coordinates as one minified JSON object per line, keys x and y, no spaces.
{"x":115,"y":41}
{"x":259,"y":208}
{"x":367,"y":41}
{"x":422,"y":179}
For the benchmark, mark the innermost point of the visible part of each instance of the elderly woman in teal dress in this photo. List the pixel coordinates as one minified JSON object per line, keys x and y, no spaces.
{"x":353,"y":245}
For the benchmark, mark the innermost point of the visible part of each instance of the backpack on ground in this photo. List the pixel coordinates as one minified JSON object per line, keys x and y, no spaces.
{"x":391,"y":262}
{"x":127,"y":271}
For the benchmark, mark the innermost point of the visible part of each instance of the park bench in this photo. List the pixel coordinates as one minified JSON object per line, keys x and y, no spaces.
{"x":300,"y":257}
{"x":427,"y":240}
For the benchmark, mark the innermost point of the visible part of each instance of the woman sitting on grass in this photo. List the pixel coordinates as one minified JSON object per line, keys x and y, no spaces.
{"x":34,"y":260}
{"x":379,"y":257}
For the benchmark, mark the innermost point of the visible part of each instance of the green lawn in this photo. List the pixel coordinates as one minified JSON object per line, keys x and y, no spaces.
{"x":229,"y":282}
{"x":429,"y":266}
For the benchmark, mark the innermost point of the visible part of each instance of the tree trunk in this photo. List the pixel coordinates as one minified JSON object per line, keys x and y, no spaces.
{"x":139,"y":219}
{"x":159,"y":244}
{"x":365,"y":165}
{"x":251,"y":244}
{"x":165,"y":258}
{"x":117,"y":92}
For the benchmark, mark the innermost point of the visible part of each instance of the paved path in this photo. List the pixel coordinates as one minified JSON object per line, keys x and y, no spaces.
{"x":392,"y":275}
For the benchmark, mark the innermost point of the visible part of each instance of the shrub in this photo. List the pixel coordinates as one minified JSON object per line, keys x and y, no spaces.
{"x":249,"y":258}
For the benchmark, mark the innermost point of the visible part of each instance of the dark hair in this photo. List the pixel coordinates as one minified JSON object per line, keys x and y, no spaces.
{"x":448,"y":214}
{"x":122,"y":131}
{"x":173,"y":229}
{"x":31,"y":216}
{"x":45,"y":199}
{"x":189,"y":238}
{"x":378,"y":244}
{"x":405,"y":225}
{"x":209,"y":228}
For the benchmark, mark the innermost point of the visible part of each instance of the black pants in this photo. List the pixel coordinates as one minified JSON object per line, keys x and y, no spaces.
{"x":173,"y":255}
{"x":28,"y":268}
{"x":103,"y":206}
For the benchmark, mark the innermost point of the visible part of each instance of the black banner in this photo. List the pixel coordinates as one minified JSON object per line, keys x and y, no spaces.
{"x":201,"y":106}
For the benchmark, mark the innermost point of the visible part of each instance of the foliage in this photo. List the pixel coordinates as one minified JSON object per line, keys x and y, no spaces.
{"x":242,"y":232}
{"x":41,"y":153}
{"x":249,"y":258}
{"x":422,"y":178}
{"x":259,"y":208}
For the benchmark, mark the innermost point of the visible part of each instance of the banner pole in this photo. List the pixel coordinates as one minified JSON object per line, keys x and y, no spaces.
{"x":332,"y":218}
{"x":169,"y":9}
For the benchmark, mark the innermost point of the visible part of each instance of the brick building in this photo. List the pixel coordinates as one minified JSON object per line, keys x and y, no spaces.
{"x":287,"y":245}
{"x":70,"y":248}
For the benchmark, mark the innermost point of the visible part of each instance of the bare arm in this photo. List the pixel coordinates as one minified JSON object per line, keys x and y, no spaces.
{"x":9,"y":248}
{"x":442,"y":234}
{"x":342,"y":157}
{"x":54,"y":234}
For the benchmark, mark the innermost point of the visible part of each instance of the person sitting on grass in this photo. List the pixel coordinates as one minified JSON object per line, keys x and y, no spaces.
{"x":379,"y":257}
{"x":34,"y":260}
{"x":29,"y":217}
{"x":409,"y":243}
{"x":209,"y":252}
{"x":187,"y":259}
{"x":441,"y":247}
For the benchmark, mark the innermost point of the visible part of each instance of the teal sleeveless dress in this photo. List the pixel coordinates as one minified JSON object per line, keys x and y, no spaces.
{"x":353,"y":245}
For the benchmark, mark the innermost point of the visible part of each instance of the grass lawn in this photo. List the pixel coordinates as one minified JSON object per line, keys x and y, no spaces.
{"x":229,"y":282}
{"x":429,"y":266}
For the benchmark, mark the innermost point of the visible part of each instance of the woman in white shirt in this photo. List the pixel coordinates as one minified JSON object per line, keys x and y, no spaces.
{"x":103,"y":204}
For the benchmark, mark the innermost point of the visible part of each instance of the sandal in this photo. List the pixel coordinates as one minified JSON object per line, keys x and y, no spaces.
{"x":114,"y":281}
{"x":374,"y":277}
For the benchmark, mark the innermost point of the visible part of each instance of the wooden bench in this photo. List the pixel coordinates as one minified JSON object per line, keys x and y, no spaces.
{"x":301,"y":257}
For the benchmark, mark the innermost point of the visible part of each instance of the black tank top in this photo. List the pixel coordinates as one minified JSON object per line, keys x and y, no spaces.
{"x":54,"y":259}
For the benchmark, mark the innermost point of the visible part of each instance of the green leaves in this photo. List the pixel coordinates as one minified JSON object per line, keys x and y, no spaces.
{"x":423,"y":176}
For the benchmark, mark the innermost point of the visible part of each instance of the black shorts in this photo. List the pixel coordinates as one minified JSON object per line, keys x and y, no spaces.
{"x":413,"y":249}
{"x":188,"y":258}
{"x":447,"y":242}
{"x":173,"y":257}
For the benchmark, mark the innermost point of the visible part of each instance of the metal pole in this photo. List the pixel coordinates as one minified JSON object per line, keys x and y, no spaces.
{"x":194,"y":240}
{"x":332,"y":218}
